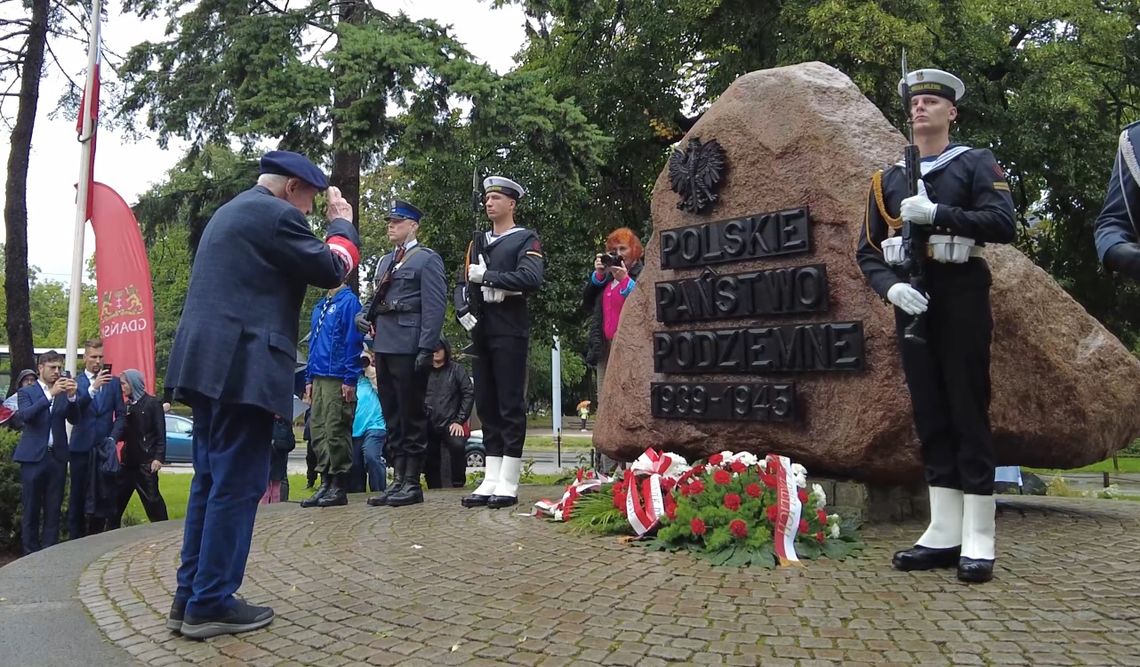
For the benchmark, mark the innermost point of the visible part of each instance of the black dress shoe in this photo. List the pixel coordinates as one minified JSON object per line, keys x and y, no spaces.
{"x":925,"y":558}
{"x":498,"y":502}
{"x":243,"y":617}
{"x":474,"y":500}
{"x":174,"y":619}
{"x":975,"y":570}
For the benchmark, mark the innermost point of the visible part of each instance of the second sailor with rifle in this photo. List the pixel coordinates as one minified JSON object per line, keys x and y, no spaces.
{"x":959,"y":201}
{"x":504,"y":268}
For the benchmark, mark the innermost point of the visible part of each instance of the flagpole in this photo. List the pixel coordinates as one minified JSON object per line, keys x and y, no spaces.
{"x":81,"y":212}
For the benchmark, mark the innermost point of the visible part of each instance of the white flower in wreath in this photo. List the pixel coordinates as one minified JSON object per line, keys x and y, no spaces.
{"x":800,"y":474}
{"x":833,"y":530}
{"x":820,"y":496}
{"x":747,"y":458}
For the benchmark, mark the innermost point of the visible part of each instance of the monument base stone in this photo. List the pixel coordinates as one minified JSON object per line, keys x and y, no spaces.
{"x":866,"y":502}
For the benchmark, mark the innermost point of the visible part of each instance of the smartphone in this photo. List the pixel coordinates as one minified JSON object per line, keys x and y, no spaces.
{"x":66,"y":374}
{"x":107,"y":367}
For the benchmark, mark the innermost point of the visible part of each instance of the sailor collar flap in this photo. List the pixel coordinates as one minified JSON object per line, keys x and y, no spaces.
{"x":944,"y":159}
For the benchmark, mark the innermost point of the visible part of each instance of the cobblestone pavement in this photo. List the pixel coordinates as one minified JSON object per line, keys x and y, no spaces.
{"x":437,"y":584}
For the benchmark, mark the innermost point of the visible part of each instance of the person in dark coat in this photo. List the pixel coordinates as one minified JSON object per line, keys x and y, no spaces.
{"x":233,"y":362}
{"x":1115,"y":230}
{"x":10,"y":413}
{"x":144,"y":449}
{"x":450,"y":396}
{"x":284,"y":441}
{"x":610,"y":283}
{"x":964,"y":201}
{"x":404,"y":318}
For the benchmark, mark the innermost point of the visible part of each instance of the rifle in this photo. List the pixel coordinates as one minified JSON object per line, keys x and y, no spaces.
{"x":475,"y":295}
{"x":913,"y":239}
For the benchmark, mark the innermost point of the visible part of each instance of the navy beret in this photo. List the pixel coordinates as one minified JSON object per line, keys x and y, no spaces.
{"x":402,"y":210}
{"x":287,"y":163}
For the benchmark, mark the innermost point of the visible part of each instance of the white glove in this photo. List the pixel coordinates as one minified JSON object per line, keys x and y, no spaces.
{"x":918,"y":210}
{"x":493,"y":294}
{"x":907,"y":298}
{"x":475,"y":271}
{"x":468,"y":321}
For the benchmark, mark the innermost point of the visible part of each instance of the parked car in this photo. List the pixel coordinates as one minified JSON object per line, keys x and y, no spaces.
{"x":179,"y":439}
{"x":476,"y":453}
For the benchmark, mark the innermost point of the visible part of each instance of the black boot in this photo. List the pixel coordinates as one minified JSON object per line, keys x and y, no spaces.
{"x":336,"y":495}
{"x":326,"y":483}
{"x":410,"y":493}
{"x":925,"y":558}
{"x":394,"y":488}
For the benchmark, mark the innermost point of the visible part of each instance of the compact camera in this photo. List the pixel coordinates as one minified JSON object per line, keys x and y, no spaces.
{"x":611,"y":258}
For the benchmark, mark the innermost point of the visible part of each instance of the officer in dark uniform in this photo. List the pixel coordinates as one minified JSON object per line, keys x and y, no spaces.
{"x":404,"y":318}
{"x":508,"y":268}
{"x":1116,"y":235}
{"x":963,"y":202}
{"x":233,"y":362}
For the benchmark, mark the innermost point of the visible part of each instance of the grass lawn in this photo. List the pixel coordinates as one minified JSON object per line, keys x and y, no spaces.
{"x":1125,"y":463}
{"x":175,"y":488}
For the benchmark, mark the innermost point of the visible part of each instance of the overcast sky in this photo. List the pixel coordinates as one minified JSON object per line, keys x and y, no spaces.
{"x":493,"y":36}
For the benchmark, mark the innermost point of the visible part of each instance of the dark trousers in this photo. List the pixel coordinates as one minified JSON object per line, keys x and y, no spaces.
{"x":41,"y":492}
{"x":949,"y":379}
{"x":402,"y":391}
{"x":80,"y":466}
{"x":310,"y":462}
{"x":500,"y":393}
{"x":138,"y":477}
{"x":446,"y":459}
{"x":231,"y":471}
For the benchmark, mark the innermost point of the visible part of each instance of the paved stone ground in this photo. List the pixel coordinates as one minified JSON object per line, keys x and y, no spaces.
{"x":437,"y":584}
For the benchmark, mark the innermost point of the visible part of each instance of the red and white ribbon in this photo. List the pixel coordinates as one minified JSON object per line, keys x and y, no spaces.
{"x":560,"y":511}
{"x":788,"y":509}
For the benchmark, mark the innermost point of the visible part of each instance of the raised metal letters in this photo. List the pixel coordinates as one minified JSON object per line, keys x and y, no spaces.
{"x":818,"y":346}
{"x":761,"y":235}
{"x":795,"y":289}
{"x":723,"y":401}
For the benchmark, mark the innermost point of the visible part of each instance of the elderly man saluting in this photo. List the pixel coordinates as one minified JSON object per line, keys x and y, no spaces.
{"x":233,"y":359}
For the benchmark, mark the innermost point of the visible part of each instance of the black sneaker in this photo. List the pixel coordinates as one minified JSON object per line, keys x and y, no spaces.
{"x":243,"y":617}
{"x":174,"y":619}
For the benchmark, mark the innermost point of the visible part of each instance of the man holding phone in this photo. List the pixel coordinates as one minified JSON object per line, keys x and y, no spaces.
{"x":100,"y":401}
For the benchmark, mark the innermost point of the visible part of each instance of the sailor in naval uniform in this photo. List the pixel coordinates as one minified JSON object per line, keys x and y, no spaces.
{"x":1115,"y":232}
{"x":963,"y":202}
{"x":506,"y":270}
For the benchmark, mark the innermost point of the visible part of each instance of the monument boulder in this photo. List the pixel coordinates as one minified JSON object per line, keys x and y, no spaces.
{"x":751,"y":327}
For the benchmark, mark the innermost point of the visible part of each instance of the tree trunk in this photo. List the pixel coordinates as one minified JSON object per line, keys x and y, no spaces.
{"x":18,"y":322}
{"x":346,"y":159}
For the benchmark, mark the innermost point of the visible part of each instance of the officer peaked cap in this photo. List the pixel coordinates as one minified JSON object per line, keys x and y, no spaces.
{"x":503,"y":185}
{"x":288,"y":163}
{"x":935,"y":82}
{"x":402,"y":210}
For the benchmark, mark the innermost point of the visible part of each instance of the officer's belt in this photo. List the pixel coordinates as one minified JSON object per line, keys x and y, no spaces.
{"x":402,"y":306}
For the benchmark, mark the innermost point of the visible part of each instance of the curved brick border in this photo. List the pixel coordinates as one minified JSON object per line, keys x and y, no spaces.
{"x":437,"y":584}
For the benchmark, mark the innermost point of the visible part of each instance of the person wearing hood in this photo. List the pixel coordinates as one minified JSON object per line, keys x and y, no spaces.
{"x":144,"y":448}
{"x":10,"y":412}
{"x":450,"y":395}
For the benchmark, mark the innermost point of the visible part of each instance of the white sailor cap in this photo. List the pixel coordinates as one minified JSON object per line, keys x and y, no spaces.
{"x":503,"y":185}
{"x":934,"y":82}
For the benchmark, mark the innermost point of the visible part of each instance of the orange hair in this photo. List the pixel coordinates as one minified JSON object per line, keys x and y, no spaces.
{"x":625,"y":236}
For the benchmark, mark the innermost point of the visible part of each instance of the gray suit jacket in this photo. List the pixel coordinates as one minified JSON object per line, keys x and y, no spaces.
{"x":237,"y":340}
{"x":418,"y":294}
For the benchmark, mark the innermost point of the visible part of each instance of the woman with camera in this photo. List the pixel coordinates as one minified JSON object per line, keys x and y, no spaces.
{"x":610,"y":284}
